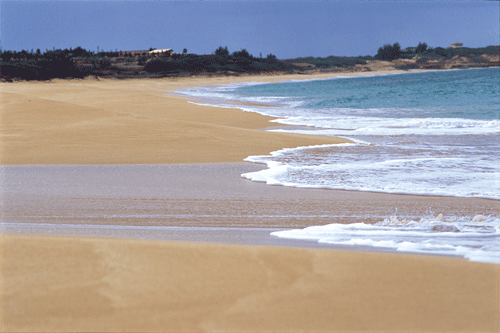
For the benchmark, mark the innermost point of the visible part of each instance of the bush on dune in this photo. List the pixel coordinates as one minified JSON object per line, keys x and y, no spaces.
{"x":220,"y":61}
{"x":388,"y":52}
{"x":52,"y":64}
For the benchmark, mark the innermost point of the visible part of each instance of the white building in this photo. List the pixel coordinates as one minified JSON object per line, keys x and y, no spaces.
{"x":162,"y":52}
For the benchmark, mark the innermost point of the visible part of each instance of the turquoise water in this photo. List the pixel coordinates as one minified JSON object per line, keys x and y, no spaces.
{"x":469,"y":94}
{"x":428,"y":133}
{"x":432,"y":133}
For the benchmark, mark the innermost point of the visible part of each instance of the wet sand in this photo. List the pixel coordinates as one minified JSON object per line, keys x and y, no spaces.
{"x":194,"y":203}
{"x":199,"y":195}
{"x":64,"y":146}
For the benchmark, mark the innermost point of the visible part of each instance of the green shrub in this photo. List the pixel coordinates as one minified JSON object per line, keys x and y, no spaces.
{"x":157,"y":65}
{"x":222,"y":51}
{"x":421,"y":47}
{"x":388,"y":52}
{"x":43,"y":69}
{"x":100,"y":63}
{"x":24,"y":71}
{"x":242,"y":55}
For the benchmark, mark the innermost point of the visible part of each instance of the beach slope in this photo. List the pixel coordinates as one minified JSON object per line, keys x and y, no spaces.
{"x":62,"y":283}
{"x":129,"y":122}
{"x":96,"y":284}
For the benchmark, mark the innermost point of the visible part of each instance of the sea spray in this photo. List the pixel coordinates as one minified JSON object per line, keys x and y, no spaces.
{"x":434,"y":134}
{"x":476,"y":238}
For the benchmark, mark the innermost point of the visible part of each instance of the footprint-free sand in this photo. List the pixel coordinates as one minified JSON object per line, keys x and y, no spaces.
{"x":192,"y":157}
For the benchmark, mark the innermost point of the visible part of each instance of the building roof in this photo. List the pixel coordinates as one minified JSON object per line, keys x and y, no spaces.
{"x":161,"y":51}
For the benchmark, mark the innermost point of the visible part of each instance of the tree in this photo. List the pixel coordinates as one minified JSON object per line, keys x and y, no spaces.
{"x":422,"y":47}
{"x":388,"y":52}
{"x":271,"y":56}
{"x":100,"y":63}
{"x":243,"y":55}
{"x":7,"y":55}
{"x":222,"y":51}
{"x":79,"y":51}
{"x":184,"y":51}
{"x":440,"y":51}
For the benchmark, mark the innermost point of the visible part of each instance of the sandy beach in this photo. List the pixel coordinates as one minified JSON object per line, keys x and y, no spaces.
{"x":174,"y":157}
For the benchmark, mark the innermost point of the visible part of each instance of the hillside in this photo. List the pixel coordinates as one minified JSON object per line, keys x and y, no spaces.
{"x":80,"y":63}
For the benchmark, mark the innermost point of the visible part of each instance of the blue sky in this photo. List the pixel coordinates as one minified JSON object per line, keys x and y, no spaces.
{"x":284,"y":28}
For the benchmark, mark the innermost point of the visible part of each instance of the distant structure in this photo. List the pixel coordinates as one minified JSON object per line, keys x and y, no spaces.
{"x":456,"y":45}
{"x":161,"y":53}
{"x":146,"y":53}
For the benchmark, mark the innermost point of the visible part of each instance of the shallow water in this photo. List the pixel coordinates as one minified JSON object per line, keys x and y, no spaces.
{"x":435,"y":133}
{"x":477,"y":239}
{"x":430,"y":133}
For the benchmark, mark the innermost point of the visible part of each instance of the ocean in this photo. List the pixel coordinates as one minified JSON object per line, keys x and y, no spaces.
{"x":427,"y":133}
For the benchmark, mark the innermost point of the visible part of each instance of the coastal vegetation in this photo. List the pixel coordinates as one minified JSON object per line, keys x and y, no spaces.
{"x":37,"y":66}
{"x":331,"y":61}
{"x":80,"y":63}
{"x":389,"y":52}
{"x":220,"y":61}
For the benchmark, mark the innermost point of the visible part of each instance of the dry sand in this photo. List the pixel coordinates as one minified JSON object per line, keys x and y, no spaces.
{"x":102,"y":284}
{"x":128,"y":122}
{"x":95,"y":284}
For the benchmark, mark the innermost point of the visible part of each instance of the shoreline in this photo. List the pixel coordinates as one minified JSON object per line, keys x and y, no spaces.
{"x":175,"y":193}
{"x":117,"y":128}
{"x":238,"y":236}
{"x":154,"y":201}
{"x":93,"y":152}
{"x":66,"y":283}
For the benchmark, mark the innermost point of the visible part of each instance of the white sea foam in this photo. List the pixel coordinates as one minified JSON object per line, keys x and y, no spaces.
{"x":442,"y":141}
{"x":351,"y":125}
{"x":403,"y":170}
{"x":427,"y":149}
{"x":220,"y":95}
{"x":475,"y":238}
